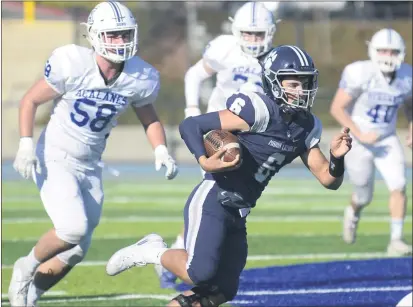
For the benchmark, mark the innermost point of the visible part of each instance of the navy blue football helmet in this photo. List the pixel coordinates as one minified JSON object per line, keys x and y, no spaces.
{"x":289,"y":62}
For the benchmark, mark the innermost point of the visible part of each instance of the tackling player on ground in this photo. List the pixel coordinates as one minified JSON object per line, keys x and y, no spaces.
{"x":90,"y":89}
{"x":367,"y":100}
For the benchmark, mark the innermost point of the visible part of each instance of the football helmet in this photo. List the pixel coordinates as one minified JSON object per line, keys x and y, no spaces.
{"x":112,"y":17}
{"x":387,"y":39}
{"x":253,"y":17}
{"x":287,"y":61}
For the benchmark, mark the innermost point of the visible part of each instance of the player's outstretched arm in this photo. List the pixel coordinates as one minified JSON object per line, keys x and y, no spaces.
{"x":330,"y":174}
{"x":193,"y":79}
{"x":38,"y":94}
{"x":156,"y":136}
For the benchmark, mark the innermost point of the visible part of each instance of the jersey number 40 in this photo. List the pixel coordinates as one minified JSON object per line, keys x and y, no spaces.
{"x":102,"y":118}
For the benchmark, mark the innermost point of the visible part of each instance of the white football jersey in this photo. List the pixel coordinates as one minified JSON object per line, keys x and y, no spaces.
{"x":87,"y":109}
{"x":375,"y":101}
{"x":235,"y":70}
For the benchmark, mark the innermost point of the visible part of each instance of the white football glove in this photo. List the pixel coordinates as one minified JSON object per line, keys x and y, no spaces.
{"x":192,"y":111}
{"x":25,"y":158}
{"x":162,"y":157}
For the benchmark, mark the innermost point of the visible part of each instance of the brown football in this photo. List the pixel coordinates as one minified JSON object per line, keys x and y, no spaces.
{"x":216,"y":139}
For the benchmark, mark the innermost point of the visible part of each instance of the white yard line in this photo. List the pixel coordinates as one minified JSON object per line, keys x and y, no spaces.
{"x":158,"y":219}
{"x":325,"y":291}
{"x":268,"y":257}
{"x":251,"y":235}
{"x":106,"y":298}
{"x":48,"y":293}
{"x":284,"y":206}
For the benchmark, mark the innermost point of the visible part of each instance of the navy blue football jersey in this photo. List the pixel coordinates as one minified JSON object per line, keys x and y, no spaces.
{"x":272,"y":142}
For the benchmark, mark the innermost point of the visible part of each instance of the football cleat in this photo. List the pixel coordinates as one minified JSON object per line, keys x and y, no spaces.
{"x":133,"y":255}
{"x":19,"y":284}
{"x":398,"y":248}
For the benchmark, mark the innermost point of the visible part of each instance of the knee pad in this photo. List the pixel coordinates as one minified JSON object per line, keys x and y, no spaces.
{"x":73,"y":232}
{"x":362,"y":195}
{"x":76,"y":254}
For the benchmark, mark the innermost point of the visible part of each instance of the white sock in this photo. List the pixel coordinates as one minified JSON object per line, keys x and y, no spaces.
{"x":179,"y":243}
{"x":153,"y":255}
{"x":34,"y":294}
{"x":31,"y":262}
{"x":396,"y":229}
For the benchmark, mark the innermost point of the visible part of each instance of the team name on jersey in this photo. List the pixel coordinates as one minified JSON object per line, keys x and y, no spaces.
{"x":282,"y":146}
{"x":246,"y":70}
{"x":384,"y":97}
{"x":103,"y":95}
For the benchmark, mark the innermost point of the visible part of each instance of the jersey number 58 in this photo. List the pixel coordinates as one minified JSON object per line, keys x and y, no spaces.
{"x":101,"y":120}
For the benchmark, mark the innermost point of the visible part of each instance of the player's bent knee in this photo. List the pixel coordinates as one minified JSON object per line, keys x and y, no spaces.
{"x":76,"y":254}
{"x":201,"y":274}
{"x":73,"y":233}
{"x":362,"y":198}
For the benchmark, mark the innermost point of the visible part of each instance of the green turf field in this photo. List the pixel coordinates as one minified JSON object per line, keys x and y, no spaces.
{"x":295,"y":221}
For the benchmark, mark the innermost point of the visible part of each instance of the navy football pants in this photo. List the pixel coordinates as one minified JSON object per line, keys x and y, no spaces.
{"x":215,"y":240}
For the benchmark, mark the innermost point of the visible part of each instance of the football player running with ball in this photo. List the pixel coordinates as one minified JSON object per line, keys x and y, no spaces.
{"x":234,"y":60}
{"x":367,"y":100}
{"x":273,"y":129}
{"x":90,"y":89}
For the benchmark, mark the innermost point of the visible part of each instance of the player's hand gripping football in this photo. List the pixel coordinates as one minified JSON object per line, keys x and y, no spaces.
{"x":25,"y":158}
{"x":162,"y":158}
{"x":341,"y":143}
{"x":215,"y":163}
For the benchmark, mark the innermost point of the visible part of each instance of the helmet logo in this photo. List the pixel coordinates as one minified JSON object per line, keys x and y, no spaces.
{"x":90,"y":18}
{"x":270,"y":59}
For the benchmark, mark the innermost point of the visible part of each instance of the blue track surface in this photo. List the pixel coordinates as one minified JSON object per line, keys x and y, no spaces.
{"x":378,"y":282}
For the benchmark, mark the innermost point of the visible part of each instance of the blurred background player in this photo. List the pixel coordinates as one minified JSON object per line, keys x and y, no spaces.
{"x":367,"y":100}
{"x":233,"y":58}
{"x":90,"y":89}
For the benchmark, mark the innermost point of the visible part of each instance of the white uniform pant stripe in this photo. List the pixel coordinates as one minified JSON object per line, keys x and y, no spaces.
{"x":195,"y":216}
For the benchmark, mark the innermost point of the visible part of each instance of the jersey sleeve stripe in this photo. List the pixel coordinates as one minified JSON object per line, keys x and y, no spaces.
{"x":314,"y":136}
{"x":53,"y":86}
{"x":262,"y":115}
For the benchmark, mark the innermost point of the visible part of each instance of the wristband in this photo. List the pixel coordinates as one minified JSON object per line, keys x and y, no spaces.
{"x":336,"y":166}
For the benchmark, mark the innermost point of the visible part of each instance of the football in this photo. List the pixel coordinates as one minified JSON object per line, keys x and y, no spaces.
{"x":216,"y":139}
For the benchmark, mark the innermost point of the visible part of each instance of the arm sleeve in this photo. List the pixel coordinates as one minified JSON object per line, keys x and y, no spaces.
{"x":54,"y":71}
{"x":193,"y":129}
{"x":251,"y":108}
{"x":314,"y":136}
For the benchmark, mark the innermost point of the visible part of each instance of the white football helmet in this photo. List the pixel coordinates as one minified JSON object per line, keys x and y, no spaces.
{"x":391,"y":40}
{"x":109,"y":17}
{"x":254,"y":17}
